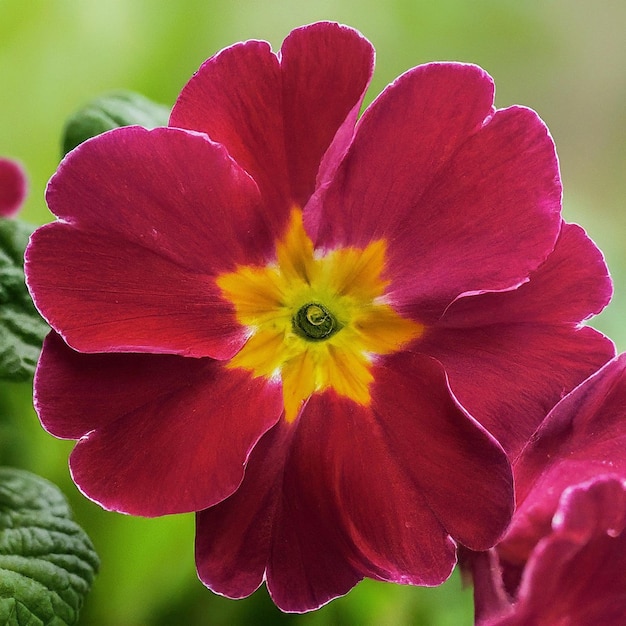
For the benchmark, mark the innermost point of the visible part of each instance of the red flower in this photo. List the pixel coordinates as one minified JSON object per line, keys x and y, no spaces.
{"x":264,"y":288}
{"x":563,"y":556}
{"x":12,"y":187}
{"x":575,"y":575}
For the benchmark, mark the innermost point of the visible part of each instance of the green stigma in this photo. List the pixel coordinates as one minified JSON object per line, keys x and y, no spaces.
{"x":314,"y":322}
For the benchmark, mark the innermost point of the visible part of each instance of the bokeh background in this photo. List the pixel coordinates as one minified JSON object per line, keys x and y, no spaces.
{"x":564,"y":58}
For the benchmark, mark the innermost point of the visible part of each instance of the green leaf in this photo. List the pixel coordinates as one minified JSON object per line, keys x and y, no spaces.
{"x":47,"y":562}
{"x":21,"y":328}
{"x":123,"y":108}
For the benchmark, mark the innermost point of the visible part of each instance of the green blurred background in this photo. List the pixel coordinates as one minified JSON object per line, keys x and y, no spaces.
{"x":564,"y":58}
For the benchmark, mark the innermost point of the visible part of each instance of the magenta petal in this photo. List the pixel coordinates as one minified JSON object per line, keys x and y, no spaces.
{"x":235,"y":97}
{"x":266,"y":530}
{"x":385,"y":487}
{"x":491,"y":368}
{"x":262,"y":523}
{"x":103,"y":293}
{"x":460,"y":471}
{"x":277,"y":115}
{"x":171,"y":191}
{"x":355,"y":481}
{"x":76,"y":393}
{"x":312,"y":559}
{"x":347,"y":492}
{"x":488,"y":212}
{"x":182,"y":450}
{"x":589,"y":425}
{"x":490,"y":216}
{"x":576,"y":574}
{"x":584,"y":435}
{"x":233,"y":538}
{"x":395,"y":155}
{"x":570,"y":286}
{"x":12,"y":187}
{"x":326,"y":69}
{"x":348,"y":509}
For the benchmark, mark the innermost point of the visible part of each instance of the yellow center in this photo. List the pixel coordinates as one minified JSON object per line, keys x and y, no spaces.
{"x":315,"y":322}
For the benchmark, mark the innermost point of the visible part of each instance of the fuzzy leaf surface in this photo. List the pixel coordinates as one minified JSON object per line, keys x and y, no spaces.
{"x":22,"y":329}
{"x":47,"y":562}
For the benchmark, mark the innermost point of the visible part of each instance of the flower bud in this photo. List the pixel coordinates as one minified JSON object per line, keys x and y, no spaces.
{"x":13,"y":187}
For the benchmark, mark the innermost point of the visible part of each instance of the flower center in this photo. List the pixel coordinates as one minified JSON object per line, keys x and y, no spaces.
{"x":295,"y":307}
{"x":314,"y":322}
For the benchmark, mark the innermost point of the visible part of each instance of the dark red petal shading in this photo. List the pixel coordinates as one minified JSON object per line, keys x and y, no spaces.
{"x":103,"y":293}
{"x":509,"y":376}
{"x":76,"y":393}
{"x":570,"y":286}
{"x":277,"y":115}
{"x":235,"y":97}
{"x":171,"y":191}
{"x":359,"y":492}
{"x":576,"y":574}
{"x":460,"y":470}
{"x":266,"y":524}
{"x":584,"y":435}
{"x":233,"y":537}
{"x":182,"y":449}
{"x":13,"y":187}
{"x":403,"y":139}
{"x":477,"y":210}
{"x":347,"y":501}
{"x":490,"y":216}
{"x":326,"y":69}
